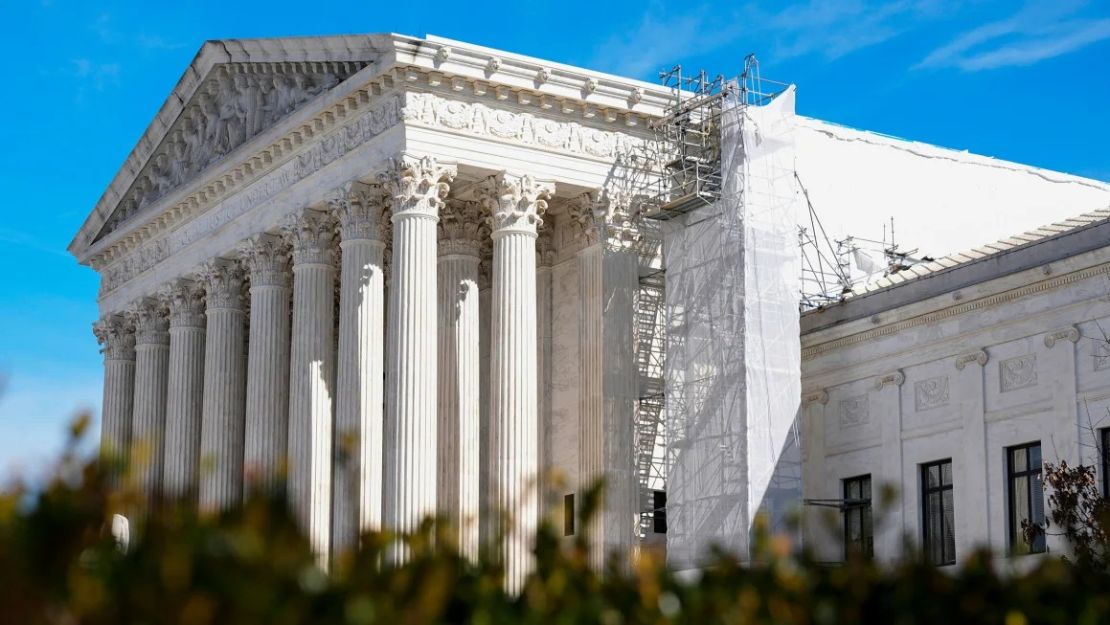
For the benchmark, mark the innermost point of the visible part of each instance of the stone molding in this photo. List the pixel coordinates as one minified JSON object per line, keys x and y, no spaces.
{"x":116,"y":336}
{"x":515,"y":202}
{"x":815,"y":397}
{"x":1070,"y":333}
{"x":186,"y":303}
{"x":312,"y":235}
{"x":223,"y":284}
{"x":930,"y":393}
{"x":978,"y":356}
{"x":999,"y":299}
{"x":417,"y":186}
{"x":266,"y":257}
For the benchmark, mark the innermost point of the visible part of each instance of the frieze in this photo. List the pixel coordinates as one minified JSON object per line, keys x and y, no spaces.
{"x":930,"y":393}
{"x":332,"y":146}
{"x":476,"y":118}
{"x":854,"y":411}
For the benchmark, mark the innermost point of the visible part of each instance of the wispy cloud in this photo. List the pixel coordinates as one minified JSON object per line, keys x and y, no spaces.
{"x":1040,"y":30}
{"x":98,"y":75}
{"x":155,"y":42}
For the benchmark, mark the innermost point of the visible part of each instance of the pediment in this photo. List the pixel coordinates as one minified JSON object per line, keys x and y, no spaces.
{"x":232,"y":91}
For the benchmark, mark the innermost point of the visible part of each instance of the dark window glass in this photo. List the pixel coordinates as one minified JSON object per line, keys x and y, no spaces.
{"x":1104,"y":449}
{"x":1023,"y":467}
{"x":938,"y":513}
{"x":858,"y":535}
{"x":659,"y":511}
{"x":568,"y":515}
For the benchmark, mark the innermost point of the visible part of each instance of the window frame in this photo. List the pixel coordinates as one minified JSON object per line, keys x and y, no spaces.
{"x":926,"y":491}
{"x":568,"y":514}
{"x":658,"y":511}
{"x":1104,"y":456}
{"x":863,"y":512}
{"x":1015,"y":542}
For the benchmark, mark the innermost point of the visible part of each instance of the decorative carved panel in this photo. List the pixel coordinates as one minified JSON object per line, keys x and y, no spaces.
{"x":1020,"y":372}
{"x":854,"y":411}
{"x":235,"y":103}
{"x":930,"y":393}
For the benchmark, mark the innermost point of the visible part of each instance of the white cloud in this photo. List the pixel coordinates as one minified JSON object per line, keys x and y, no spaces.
{"x":1040,"y":30}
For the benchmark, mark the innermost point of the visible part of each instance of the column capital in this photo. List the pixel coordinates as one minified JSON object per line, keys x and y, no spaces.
{"x":266,"y":257}
{"x":312,"y":235}
{"x":417,"y":186}
{"x":223,"y":283}
{"x":186,"y":303}
{"x":362,"y":211}
{"x":116,"y":335}
{"x":604,"y":215}
{"x":515,"y":202}
{"x":151,"y":322}
{"x":462,"y":229}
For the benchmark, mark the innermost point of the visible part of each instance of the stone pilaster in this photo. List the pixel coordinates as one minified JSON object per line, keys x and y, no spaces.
{"x":267,"y":402}
{"x":312,"y":376}
{"x":462,"y":229}
{"x":417,"y":189}
{"x":152,"y":345}
{"x":116,"y":335}
{"x":516,"y":204}
{"x":222,"y":414}
{"x":545,"y":258}
{"x":357,"y":501}
{"x":184,"y":391}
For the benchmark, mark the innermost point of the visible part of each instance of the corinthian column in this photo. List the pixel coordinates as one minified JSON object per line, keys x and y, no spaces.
{"x":515,"y":204}
{"x":152,"y":355}
{"x":461,"y":231}
{"x":221,"y":430}
{"x":418,"y":189}
{"x":185,"y":390}
{"x":357,"y":502}
{"x":312,"y":376}
{"x":116,"y":334}
{"x":267,"y":405}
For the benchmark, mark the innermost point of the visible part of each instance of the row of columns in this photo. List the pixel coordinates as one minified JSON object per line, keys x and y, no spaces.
{"x":393,"y":410}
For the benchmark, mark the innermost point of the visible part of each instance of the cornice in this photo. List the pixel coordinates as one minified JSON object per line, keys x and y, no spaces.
{"x":812,"y":352}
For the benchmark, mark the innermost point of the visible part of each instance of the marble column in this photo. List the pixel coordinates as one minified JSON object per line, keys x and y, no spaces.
{"x":267,"y":403}
{"x":222,"y":412}
{"x":417,"y":189}
{"x":516,"y":204}
{"x":357,"y":501}
{"x":312,"y":376}
{"x":545,"y":258}
{"x":152,"y":359}
{"x":461,"y":230}
{"x":184,"y":391}
{"x":116,"y":335}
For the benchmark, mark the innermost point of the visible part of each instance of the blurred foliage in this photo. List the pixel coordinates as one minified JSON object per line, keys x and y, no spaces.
{"x":60,"y":564}
{"x":1076,"y":511}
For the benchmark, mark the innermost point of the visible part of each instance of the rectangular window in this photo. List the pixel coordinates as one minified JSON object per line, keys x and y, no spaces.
{"x":1023,"y":468}
{"x":938,"y":514}
{"x":858,"y":535}
{"x":659,"y":511}
{"x":568,"y":515}
{"x":1104,"y":450}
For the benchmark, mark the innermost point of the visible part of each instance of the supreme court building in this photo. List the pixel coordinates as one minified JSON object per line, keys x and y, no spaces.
{"x":403,"y":276}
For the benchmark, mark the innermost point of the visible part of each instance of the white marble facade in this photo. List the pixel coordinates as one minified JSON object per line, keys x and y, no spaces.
{"x":334,"y":266}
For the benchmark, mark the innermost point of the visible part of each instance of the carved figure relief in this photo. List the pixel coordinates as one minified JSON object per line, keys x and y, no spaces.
{"x":931,"y":393}
{"x":1020,"y":372}
{"x":236,"y":103}
{"x":854,"y":411}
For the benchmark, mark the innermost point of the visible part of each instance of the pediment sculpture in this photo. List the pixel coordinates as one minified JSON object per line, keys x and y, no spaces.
{"x":235,"y":103}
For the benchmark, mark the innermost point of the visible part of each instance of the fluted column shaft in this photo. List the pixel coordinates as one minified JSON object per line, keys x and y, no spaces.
{"x":459,"y":435}
{"x":417,"y":190}
{"x":357,"y":501}
{"x":267,"y":403}
{"x":222,"y":413}
{"x":117,"y":337}
{"x":545,"y":256}
{"x":184,"y":392}
{"x":152,"y":352}
{"x":312,"y":378}
{"x":516,"y":204}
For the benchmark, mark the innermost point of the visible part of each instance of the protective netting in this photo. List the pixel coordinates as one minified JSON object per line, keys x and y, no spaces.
{"x":733,"y":352}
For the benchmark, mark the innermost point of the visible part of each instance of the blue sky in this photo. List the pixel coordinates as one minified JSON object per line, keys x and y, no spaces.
{"x":1028,"y":82}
